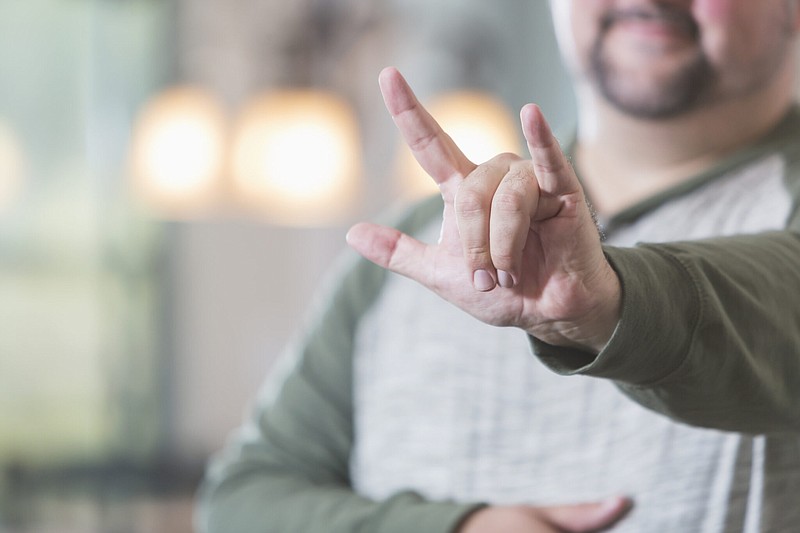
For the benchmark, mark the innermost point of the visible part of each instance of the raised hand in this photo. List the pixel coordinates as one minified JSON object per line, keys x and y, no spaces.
{"x":581,"y":518}
{"x":518,"y":245}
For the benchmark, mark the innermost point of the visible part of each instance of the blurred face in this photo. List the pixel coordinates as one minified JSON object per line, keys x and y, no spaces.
{"x":661,"y":58}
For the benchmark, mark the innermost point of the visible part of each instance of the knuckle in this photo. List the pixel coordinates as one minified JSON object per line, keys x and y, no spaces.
{"x":469,"y":203}
{"x":509,"y":201}
{"x":549,"y":165}
{"x":420,"y":144}
{"x":476,"y":250}
{"x":503,"y":259}
{"x":477,"y":255}
{"x":505,"y":158}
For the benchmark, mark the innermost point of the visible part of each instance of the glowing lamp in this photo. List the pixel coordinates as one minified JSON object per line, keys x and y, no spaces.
{"x":479,"y":124}
{"x":178,"y":151}
{"x":12,"y":166}
{"x":296,"y":157}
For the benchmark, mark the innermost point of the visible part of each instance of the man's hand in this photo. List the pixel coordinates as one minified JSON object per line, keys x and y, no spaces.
{"x":518,"y":245}
{"x":581,"y":518}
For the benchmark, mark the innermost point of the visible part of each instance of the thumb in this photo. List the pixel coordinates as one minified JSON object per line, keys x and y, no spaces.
{"x":587,"y":517}
{"x":390,"y":249}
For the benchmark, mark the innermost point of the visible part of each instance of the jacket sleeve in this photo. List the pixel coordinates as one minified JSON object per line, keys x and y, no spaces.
{"x":709,"y":332}
{"x":288,"y":469}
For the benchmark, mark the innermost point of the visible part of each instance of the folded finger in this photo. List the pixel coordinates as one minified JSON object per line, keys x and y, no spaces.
{"x":513,"y":205}
{"x":473,"y":205}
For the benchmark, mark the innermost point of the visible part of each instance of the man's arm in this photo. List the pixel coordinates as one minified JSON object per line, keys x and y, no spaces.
{"x":718,"y":345}
{"x":709,"y":332}
{"x":288,"y":470}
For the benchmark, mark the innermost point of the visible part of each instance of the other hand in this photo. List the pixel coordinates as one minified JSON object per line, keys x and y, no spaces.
{"x":580,"y":518}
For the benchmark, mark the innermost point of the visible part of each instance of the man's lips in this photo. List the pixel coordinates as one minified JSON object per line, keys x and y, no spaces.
{"x":673,"y":20}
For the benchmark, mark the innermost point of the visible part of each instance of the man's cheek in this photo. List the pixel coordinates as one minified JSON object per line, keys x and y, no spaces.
{"x":716,"y":18}
{"x":713,"y":12}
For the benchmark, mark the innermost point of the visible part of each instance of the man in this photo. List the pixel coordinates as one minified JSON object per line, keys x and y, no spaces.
{"x":675,"y":383}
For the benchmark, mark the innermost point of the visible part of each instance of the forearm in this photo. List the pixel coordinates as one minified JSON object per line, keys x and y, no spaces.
{"x":708,"y":332}
{"x":289,"y":469}
{"x":257,"y":498}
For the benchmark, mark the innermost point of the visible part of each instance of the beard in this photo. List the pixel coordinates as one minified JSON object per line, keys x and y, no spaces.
{"x":662,"y":96}
{"x":683,"y":90}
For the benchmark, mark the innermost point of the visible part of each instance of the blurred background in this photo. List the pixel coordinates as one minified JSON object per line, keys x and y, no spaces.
{"x":176,"y":177}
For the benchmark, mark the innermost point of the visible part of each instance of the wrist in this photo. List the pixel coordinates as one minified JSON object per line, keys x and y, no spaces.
{"x":601,"y":322}
{"x":591,"y":329}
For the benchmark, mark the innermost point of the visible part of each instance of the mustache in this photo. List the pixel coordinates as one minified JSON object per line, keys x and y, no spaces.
{"x":678,"y":17}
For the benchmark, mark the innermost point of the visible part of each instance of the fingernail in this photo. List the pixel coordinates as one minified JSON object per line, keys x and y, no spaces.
{"x":505,"y":279}
{"x":483,"y":281}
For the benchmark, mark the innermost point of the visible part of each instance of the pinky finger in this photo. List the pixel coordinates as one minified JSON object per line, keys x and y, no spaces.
{"x":555,"y":174}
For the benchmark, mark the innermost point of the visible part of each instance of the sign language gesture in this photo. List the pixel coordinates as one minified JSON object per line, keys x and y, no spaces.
{"x":518,"y":244}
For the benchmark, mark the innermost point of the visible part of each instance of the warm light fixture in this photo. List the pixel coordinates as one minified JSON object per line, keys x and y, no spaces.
{"x":12,"y":166}
{"x":296,"y":157}
{"x":178,"y":151}
{"x":479,"y":124}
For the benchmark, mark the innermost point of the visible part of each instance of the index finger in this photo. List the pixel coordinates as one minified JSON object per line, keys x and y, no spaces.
{"x":432,"y":147}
